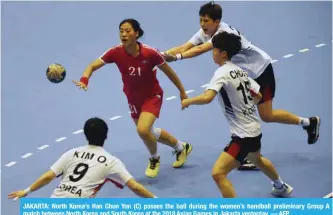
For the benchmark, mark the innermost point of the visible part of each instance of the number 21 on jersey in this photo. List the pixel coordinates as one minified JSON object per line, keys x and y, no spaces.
{"x":132,"y":108}
{"x":134,"y":71}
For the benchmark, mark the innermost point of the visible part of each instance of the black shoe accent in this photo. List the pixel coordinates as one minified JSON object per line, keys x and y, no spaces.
{"x":186,"y":147}
{"x":313,"y":129}
{"x":247,"y":165}
{"x":153,"y":162}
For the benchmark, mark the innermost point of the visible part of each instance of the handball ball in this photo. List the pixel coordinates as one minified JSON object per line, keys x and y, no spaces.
{"x":56,"y":73}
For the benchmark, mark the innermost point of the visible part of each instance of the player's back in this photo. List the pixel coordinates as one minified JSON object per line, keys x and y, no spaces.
{"x":236,"y":100}
{"x":84,"y":171}
{"x":250,"y":58}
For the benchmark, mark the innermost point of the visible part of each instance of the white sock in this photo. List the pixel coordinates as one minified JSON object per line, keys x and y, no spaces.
{"x":156,"y":155}
{"x":278,"y":183}
{"x":179,"y":146}
{"x":304,"y":121}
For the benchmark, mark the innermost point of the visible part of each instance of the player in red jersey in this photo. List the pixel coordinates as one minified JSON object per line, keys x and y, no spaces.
{"x":136,"y":63}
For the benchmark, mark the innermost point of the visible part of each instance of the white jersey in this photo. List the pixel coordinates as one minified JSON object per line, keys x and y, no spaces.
{"x":234,"y":88}
{"x":250,"y":58}
{"x":84,"y":171}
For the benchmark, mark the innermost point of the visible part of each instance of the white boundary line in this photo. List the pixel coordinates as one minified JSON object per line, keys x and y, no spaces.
{"x":320,"y":45}
{"x":78,"y":131}
{"x":115,"y":117}
{"x":61,"y":139}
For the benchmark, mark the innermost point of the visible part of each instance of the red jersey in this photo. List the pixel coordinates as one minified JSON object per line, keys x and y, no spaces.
{"x":138,"y":73}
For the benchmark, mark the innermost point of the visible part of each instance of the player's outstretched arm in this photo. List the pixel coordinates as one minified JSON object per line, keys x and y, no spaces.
{"x":204,"y":98}
{"x":193,"y":52}
{"x":179,"y":49}
{"x":95,"y":65}
{"x":139,"y":189}
{"x":39,"y":183}
{"x":168,"y":71}
{"x":196,"y":51}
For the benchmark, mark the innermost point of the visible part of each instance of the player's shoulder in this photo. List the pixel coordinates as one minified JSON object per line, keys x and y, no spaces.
{"x":101,"y":151}
{"x":149,"y":48}
{"x":76,"y":149}
{"x":70,"y":153}
{"x":201,"y":34}
{"x":108,"y":154}
{"x":227,"y":28}
{"x":225,"y":68}
{"x":117,"y":47}
{"x":114,"y":161}
{"x":231,"y":65}
{"x":224,"y":25}
{"x":150,"y":52}
{"x":72,"y":150}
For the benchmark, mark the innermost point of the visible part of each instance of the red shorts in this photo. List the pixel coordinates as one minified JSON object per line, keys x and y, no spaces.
{"x":151,"y":104}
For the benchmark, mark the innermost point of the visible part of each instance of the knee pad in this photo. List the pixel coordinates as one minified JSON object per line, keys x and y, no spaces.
{"x":157,"y":132}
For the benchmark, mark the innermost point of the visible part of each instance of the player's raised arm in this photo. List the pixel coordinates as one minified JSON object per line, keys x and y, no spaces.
{"x":168,"y":71}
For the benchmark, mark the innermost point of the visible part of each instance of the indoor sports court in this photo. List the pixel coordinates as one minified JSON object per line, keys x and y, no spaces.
{"x":41,"y":120}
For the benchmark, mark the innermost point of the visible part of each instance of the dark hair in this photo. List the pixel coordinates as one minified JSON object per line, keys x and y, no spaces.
{"x":231,"y":43}
{"x":214,"y":11}
{"x":96,"y":131}
{"x":135,"y":25}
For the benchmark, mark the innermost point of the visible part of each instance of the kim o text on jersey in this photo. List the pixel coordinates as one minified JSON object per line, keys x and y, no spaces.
{"x":89,"y":156}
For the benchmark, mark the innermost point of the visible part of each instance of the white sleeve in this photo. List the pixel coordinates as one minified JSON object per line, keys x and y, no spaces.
{"x":254,"y":86}
{"x":59,"y":166}
{"x":196,"y":39}
{"x":218,"y":81}
{"x":119,"y":173}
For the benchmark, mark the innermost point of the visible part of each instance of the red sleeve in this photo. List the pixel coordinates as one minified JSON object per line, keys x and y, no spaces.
{"x":156,"y":58}
{"x":109,"y":56}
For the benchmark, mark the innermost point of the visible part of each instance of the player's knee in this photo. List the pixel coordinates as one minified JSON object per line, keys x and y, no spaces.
{"x":156,"y":132}
{"x":218,"y":174}
{"x":143,"y":132}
